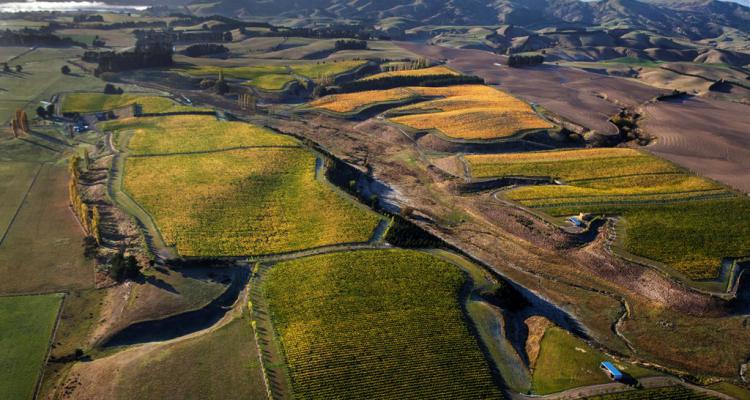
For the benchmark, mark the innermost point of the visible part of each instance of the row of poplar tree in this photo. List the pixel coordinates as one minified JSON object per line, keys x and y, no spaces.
{"x":20,"y":123}
{"x":89,"y":216}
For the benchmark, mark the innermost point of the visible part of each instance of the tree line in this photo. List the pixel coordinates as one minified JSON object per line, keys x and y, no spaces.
{"x":31,"y":37}
{"x":20,"y":123}
{"x":350,"y":45}
{"x":517,"y":61}
{"x":205,"y":49}
{"x":390,"y":82}
{"x":89,"y":218}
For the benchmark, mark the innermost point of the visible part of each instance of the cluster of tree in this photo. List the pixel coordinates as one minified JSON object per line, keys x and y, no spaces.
{"x":410,"y":65}
{"x":247,"y":101}
{"x":504,"y":295}
{"x":31,"y":37}
{"x":117,"y":25}
{"x":677,"y":94}
{"x":200,"y":36}
{"x":98,"y":42}
{"x":225,"y":24}
{"x":65,"y":70}
{"x":87,"y":18}
{"x":122,"y":267}
{"x":321,"y":84}
{"x":350,"y":44}
{"x":220,"y":85}
{"x":150,"y":51}
{"x":403,"y":233}
{"x":204,"y":49}
{"x":6,"y":68}
{"x":517,"y":61}
{"x":112,"y":89}
{"x":89,"y":219}
{"x":19,"y":123}
{"x":391,"y":82}
{"x":332,"y":32}
{"x":90,"y":56}
{"x":627,"y":124}
{"x":43,"y":112}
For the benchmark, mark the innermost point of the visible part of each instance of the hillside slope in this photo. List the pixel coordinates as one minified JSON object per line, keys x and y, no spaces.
{"x":695,"y":19}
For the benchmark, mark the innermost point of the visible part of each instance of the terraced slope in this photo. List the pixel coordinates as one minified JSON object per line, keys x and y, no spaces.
{"x":670,"y":216}
{"x":376,"y":324}
{"x":469,"y":112}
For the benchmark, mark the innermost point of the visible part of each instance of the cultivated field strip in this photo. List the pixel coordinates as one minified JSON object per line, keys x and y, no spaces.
{"x":469,"y":112}
{"x":244,"y":202}
{"x":275,"y":77}
{"x":431,"y":71}
{"x":667,"y":211}
{"x":376,"y":324}
{"x":233,"y":189}
{"x":192,"y":134}
{"x":351,"y":102}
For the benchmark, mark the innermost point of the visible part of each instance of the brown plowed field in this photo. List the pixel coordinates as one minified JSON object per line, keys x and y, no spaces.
{"x":581,"y":97}
{"x":709,"y":137}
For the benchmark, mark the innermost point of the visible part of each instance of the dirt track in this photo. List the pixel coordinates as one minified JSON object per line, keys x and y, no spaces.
{"x":584,"y":98}
{"x":709,"y":137}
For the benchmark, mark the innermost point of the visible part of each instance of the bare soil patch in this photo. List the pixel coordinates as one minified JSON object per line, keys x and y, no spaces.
{"x":709,"y":137}
{"x":581,"y":97}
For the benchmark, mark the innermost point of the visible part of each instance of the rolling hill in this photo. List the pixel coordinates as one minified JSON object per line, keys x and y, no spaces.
{"x":693,"y":19}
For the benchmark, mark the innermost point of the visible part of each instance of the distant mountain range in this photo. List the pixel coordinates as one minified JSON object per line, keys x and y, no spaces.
{"x":694,"y":19}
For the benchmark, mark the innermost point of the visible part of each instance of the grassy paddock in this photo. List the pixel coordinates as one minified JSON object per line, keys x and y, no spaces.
{"x":221,"y":364}
{"x":15,"y":181}
{"x":26,"y":323}
{"x":94,"y":102}
{"x":42,"y":251}
{"x":566,"y":362}
{"x":192,"y":133}
{"x":376,"y":324}
{"x":41,"y":79}
{"x":275,"y":77}
{"x":733,"y":390}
